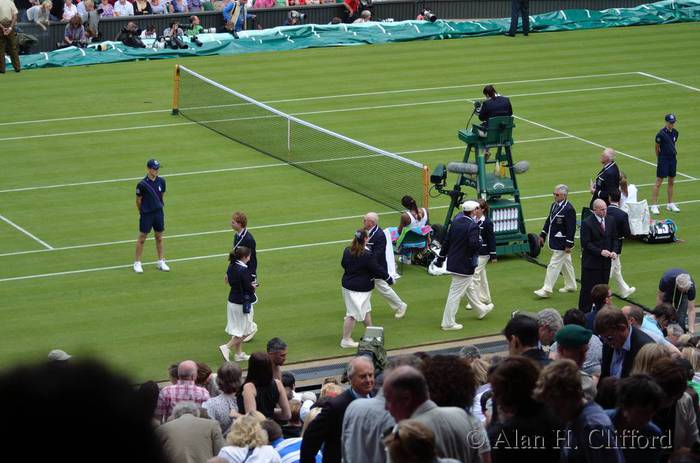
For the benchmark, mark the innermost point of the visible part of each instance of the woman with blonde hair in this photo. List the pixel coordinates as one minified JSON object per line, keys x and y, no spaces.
{"x":647,"y":356}
{"x":40,"y":14}
{"x":692,"y":355}
{"x":412,"y":442}
{"x":248,"y":442}
{"x":628,"y":191}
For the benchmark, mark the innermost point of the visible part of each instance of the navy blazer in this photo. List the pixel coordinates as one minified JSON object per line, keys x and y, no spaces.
{"x":639,"y":338}
{"x":377,"y":245}
{"x":593,"y":241}
{"x":461,"y":247}
{"x":245,"y":238}
{"x":488,"y":238}
{"x":560,"y":226}
{"x":622,"y":223}
{"x":240,"y":279}
{"x":607,"y":180}
{"x":493,"y":107}
{"x":326,"y":430}
{"x":360,"y":271}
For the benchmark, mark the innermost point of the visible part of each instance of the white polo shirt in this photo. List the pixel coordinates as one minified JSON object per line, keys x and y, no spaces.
{"x":127,"y":9}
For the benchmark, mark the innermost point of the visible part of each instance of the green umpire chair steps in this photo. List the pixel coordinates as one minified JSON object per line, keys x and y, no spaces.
{"x":488,"y":168}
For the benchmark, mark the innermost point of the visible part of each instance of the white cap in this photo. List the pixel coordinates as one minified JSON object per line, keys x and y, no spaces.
{"x":58,"y":354}
{"x":468,"y":206}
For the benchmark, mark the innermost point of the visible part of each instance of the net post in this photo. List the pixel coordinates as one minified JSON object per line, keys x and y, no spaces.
{"x":176,"y":91}
{"x":289,"y":135}
{"x":426,"y":186}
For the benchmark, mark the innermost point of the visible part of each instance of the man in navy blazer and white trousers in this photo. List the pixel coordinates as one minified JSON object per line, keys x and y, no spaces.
{"x":377,"y":246}
{"x":461,"y":249}
{"x":560,"y":227}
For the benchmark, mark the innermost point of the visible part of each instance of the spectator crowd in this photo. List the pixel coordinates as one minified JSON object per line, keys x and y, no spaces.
{"x":561,"y":393}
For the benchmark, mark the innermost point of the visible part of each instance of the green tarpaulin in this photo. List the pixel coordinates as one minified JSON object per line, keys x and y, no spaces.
{"x":314,"y":35}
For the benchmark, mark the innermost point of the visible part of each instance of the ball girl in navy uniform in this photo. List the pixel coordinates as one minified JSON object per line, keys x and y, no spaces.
{"x":361,"y":268}
{"x":241,"y":297}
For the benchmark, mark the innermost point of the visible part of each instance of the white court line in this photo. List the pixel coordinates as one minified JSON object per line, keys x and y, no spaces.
{"x":308,"y":113}
{"x":325,"y":97}
{"x":233,"y":169}
{"x":183,"y":259}
{"x":277,"y":225}
{"x":596,"y":144}
{"x":210,"y":256}
{"x":43,"y":243}
{"x":669,"y":81}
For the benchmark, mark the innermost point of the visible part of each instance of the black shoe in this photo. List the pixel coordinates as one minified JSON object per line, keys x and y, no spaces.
{"x":508,"y":34}
{"x":17,"y":70}
{"x":2,"y":72}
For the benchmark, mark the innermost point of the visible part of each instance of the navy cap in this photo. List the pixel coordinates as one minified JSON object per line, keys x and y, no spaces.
{"x":153,"y":164}
{"x":670,"y":118}
{"x":572,"y":336}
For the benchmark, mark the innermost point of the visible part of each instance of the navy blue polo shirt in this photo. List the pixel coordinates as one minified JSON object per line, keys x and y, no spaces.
{"x":151,"y":193}
{"x":668,"y":284}
{"x":666,"y":139}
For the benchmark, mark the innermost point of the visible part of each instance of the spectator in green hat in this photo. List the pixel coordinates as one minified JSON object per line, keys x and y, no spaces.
{"x":572,"y":343}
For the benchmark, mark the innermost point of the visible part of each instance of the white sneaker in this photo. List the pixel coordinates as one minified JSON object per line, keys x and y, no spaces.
{"x":250,"y":335}
{"x":655,"y":209}
{"x":488,"y":309}
{"x":138,"y":268}
{"x":543,"y":293}
{"x":629,"y":292}
{"x":672,"y":207}
{"x":567,"y":290}
{"x":162,"y":266}
{"x":242,"y":357}
{"x":348,"y":343}
{"x":225,"y":352}
{"x":469,"y":306}
{"x":454,"y":327}
{"x":401,"y":312}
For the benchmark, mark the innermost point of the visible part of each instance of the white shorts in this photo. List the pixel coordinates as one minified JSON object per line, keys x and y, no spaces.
{"x":357,"y":304}
{"x":237,"y":322}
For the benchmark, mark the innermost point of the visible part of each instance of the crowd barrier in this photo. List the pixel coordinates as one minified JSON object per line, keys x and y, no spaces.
{"x":398,"y":10}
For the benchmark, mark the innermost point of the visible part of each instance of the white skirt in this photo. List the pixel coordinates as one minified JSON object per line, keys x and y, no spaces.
{"x":238,"y":324}
{"x":357,"y":304}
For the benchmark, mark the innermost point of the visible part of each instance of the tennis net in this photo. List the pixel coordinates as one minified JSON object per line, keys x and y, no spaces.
{"x":375,"y":173}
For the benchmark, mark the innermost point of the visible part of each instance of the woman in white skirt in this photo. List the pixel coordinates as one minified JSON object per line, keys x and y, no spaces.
{"x":361,"y":268}
{"x":241,"y":297}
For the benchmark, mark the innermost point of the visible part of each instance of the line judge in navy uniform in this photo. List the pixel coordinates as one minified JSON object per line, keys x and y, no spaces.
{"x":607,"y":179}
{"x":560,"y":227}
{"x":377,"y":246}
{"x":598,"y":244}
{"x":149,"y":202}
{"x":461,"y":249}
{"x":622,"y":224}
{"x":519,"y":8}
{"x":243,"y":238}
{"x":665,"y":163}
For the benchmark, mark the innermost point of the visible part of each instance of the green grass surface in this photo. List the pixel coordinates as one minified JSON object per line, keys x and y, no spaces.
{"x":144,"y":322}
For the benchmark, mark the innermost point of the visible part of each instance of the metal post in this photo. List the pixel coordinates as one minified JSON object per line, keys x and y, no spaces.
{"x":176,"y":91}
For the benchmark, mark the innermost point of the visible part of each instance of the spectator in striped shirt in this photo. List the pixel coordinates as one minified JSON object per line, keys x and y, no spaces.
{"x":184,"y":390}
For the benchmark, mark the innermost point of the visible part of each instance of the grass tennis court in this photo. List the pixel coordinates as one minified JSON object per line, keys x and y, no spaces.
{"x":74,"y":142}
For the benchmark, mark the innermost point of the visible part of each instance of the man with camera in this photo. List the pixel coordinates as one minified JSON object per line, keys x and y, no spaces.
{"x":174,"y":35}
{"x":194,"y":29}
{"x":130,"y":36}
{"x":236,"y":17}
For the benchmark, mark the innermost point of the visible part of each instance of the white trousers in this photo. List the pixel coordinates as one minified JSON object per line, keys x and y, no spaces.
{"x":389,"y":294}
{"x":481,"y":282}
{"x":461,"y":284}
{"x":616,"y":275}
{"x":560,"y":263}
